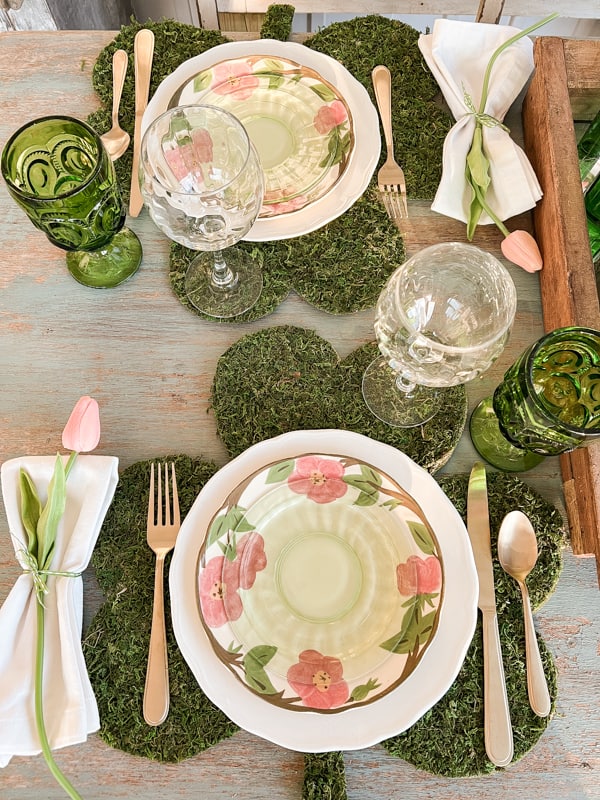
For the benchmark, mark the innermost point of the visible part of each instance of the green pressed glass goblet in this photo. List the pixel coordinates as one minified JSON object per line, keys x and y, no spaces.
{"x":548,"y":402}
{"x":58,"y":171}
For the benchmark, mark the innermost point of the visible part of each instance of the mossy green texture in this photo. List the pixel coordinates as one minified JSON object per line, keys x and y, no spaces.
{"x":447,"y":740}
{"x":287,"y":378}
{"x":277,"y":23}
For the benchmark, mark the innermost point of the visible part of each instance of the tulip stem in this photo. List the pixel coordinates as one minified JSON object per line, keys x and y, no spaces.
{"x":39,"y":709}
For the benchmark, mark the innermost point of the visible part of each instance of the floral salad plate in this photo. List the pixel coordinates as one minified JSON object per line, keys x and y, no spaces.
{"x":355,"y":142}
{"x":323,"y":590}
{"x":298,"y":122}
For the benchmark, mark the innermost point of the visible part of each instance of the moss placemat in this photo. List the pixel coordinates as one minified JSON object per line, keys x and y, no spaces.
{"x":287,"y":378}
{"x":448,"y":740}
{"x":342,"y":267}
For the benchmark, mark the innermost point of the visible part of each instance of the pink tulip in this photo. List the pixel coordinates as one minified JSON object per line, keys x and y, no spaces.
{"x":82,"y":431}
{"x":521,"y":248}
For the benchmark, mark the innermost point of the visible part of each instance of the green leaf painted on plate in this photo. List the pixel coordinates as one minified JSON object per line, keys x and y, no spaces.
{"x":275,"y":81}
{"x":203,"y":80}
{"x":391,"y":504}
{"x":281,"y":471}
{"x":416,"y":628}
{"x":324,"y":92}
{"x":422,"y":537}
{"x":273,"y":65}
{"x":254,"y":668}
{"x":367,"y":483}
{"x":360,"y":692}
{"x":233,"y":520}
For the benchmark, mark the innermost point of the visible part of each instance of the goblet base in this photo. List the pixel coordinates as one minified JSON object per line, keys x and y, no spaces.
{"x":108,"y":266}
{"x":493,"y":446}
{"x":393,"y":406}
{"x":229,"y":300}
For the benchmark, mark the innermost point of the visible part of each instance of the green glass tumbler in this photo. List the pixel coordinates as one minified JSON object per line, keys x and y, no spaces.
{"x":548,"y":402}
{"x":59,"y":173}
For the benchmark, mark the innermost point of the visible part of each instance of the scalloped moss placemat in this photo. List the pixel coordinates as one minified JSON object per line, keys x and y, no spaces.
{"x":116,"y":644}
{"x":333,"y":268}
{"x":287,"y":378}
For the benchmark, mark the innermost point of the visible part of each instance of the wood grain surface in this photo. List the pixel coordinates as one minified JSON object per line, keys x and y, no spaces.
{"x":150,"y":362}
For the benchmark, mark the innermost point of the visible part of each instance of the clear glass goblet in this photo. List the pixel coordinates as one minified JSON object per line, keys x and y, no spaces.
{"x":441,"y":320}
{"x":203,"y":184}
{"x":548,"y":402}
{"x":58,"y":171}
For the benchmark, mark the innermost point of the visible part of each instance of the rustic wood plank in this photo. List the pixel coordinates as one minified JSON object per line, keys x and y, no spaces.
{"x":568,"y":283}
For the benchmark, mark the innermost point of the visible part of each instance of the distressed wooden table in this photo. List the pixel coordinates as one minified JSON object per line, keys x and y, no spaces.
{"x":150,"y":363}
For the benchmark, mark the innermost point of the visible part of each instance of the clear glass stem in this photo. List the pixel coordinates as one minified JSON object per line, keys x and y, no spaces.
{"x":222,"y":276}
{"x":405,"y":385}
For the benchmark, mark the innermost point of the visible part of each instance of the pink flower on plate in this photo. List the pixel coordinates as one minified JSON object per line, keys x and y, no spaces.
{"x":419,"y":575}
{"x":82,"y":431}
{"x":320,"y":479}
{"x":329,"y":117}
{"x":202,"y":145}
{"x":318,"y":680}
{"x":234,"y":77}
{"x":250,"y":558}
{"x":219,"y":598}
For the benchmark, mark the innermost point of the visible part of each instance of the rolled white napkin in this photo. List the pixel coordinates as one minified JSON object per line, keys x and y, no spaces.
{"x":457,"y":54}
{"x":70,"y":710}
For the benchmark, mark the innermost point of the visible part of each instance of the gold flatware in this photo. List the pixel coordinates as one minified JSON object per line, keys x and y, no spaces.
{"x":390,"y":177}
{"x":517,"y":553}
{"x":143,"y":52}
{"x":497,"y":724}
{"x":162,"y":528}
{"x":116,"y":140}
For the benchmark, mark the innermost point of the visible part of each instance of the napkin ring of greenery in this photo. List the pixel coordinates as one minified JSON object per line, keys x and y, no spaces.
{"x":448,"y":740}
{"x":334,"y":268}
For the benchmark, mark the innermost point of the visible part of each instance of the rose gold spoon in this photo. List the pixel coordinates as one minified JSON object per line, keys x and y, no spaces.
{"x":517,"y":553}
{"x":116,"y":140}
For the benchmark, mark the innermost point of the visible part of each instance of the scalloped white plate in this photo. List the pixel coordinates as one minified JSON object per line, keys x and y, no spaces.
{"x":367,"y":143}
{"x":360,"y":725}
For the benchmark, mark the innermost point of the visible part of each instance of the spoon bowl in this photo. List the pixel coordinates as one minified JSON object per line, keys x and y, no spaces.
{"x":517,"y":553}
{"x":116,"y":140}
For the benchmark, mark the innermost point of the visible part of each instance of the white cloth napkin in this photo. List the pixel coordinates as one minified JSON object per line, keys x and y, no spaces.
{"x":457,"y":54}
{"x":70,"y":710}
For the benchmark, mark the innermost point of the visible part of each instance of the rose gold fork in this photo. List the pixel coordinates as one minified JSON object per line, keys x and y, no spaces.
{"x":390,"y":177}
{"x":161,"y":531}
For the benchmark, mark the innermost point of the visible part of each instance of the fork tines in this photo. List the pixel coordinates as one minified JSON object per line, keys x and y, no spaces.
{"x":394,"y":200}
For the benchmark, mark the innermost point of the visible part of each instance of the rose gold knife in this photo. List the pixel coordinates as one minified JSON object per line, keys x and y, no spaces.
{"x":143,"y":51}
{"x":497,"y":724}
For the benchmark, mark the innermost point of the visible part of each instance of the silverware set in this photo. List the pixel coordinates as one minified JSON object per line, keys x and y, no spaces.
{"x":116,"y":140}
{"x":517,"y":558}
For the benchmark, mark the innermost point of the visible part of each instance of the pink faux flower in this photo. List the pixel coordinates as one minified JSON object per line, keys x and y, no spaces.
{"x":521,"y":248}
{"x":82,"y":431}
{"x":329,"y":117}
{"x":320,"y":479}
{"x":419,"y":575}
{"x":250,"y":558}
{"x":318,"y":680}
{"x":219,"y":598}
{"x":234,"y":77}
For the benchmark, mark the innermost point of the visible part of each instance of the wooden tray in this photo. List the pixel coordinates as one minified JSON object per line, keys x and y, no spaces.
{"x":565,"y":88}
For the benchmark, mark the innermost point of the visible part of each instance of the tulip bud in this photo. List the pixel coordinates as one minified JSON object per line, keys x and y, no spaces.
{"x":521,"y":248}
{"x":82,"y":431}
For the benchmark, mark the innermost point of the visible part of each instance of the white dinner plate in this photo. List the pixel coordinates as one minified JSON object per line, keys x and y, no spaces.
{"x":232,"y":670}
{"x":367,"y":143}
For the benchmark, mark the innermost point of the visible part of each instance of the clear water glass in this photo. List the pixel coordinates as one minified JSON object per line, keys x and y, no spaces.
{"x":203,"y":184}
{"x":442,"y":319}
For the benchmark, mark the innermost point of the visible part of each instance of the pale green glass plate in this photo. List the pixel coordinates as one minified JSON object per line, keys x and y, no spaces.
{"x":299,"y":123}
{"x":320,"y":583}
